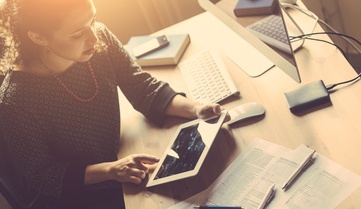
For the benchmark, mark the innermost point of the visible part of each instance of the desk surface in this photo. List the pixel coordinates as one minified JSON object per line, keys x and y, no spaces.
{"x":333,"y":131}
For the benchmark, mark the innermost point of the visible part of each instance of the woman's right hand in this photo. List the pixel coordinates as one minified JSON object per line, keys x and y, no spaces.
{"x":133,"y":168}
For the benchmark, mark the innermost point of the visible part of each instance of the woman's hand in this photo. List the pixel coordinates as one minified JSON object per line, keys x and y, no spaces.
{"x":184,"y":107}
{"x":208,"y":110}
{"x":133,"y":168}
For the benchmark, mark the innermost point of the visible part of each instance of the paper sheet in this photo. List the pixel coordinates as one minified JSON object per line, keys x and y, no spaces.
{"x":323,"y":185}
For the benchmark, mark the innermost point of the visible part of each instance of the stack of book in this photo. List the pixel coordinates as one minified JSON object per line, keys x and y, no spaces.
{"x":168,"y":55}
{"x":254,"y":7}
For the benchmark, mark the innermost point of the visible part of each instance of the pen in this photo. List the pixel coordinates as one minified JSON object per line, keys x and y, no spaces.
{"x":268,"y":197}
{"x":298,"y":171}
{"x":216,"y":207}
{"x":271,"y":197}
{"x":302,"y":170}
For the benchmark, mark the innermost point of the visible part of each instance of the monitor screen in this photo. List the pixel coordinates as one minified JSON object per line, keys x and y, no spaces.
{"x":267,"y":32}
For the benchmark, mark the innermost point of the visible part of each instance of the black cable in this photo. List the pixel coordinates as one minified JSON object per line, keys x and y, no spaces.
{"x":305,"y":36}
{"x":328,"y":42}
{"x":328,"y":33}
{"x":331,"y":86}
{"x":333,"y":44}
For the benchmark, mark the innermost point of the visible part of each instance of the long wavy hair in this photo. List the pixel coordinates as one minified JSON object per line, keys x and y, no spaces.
{"x":17,"y":17}
{"x":8,"y":52}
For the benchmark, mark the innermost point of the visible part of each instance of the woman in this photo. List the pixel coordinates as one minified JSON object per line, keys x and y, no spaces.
{"x":59,"y":103}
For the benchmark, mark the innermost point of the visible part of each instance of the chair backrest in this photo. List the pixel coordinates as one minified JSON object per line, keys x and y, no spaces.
{"x":11,"y":183}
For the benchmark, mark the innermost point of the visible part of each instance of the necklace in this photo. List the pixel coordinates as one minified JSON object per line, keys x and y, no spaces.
{"x":71,"y":92}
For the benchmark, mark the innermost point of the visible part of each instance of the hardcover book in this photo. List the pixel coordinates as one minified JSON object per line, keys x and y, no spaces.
{"x":254,"y":7}
{"x":169,"y":55}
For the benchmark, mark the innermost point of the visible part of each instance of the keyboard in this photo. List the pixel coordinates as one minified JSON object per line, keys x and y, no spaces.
{"x":207,"y":78}
{"x":272,"y":31}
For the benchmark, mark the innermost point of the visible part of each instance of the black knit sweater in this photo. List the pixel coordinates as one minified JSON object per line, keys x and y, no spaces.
{"x":53,"y":137}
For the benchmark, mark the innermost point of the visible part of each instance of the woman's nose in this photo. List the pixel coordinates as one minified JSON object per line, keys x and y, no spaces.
{"x":92,"y":37}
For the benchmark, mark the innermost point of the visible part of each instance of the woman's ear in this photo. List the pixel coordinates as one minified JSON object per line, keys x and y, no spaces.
{"x":37,"y":38}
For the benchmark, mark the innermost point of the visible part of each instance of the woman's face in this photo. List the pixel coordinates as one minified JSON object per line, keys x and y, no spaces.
{"x":76,"y":38}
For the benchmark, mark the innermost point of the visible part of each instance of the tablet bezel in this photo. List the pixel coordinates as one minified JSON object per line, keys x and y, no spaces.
{"x":209,"y":132}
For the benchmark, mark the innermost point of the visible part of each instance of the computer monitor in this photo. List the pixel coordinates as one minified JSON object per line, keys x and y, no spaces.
{"x":283,"y":58}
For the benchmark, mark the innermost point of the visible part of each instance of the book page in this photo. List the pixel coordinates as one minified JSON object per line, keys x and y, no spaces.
{"x":238,"y":182}
{"x":324,"y":184}
{"x":239,"y":178}
{"x":259,"y":196}
{"x":280,"y":172}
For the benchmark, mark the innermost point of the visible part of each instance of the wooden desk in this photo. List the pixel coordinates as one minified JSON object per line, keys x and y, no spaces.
{"x":333,"y":131}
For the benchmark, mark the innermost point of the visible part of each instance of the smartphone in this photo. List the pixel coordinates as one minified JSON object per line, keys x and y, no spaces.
{"x":150,"y":46}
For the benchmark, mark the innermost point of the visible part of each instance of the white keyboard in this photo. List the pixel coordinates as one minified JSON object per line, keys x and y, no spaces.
{"x":207,"y":78}
{"x":272,"y":31}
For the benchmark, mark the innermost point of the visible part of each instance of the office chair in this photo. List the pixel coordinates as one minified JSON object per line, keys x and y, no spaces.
{"x":11,"y":183}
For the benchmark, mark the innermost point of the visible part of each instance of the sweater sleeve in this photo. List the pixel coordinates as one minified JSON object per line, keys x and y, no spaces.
{"x":146,"y":94}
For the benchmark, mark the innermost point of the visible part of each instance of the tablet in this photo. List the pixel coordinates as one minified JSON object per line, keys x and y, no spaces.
{"x":187,"y":150}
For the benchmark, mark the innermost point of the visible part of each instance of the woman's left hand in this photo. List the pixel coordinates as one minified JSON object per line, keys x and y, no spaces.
{"x":208,"y":110}
{"x":186,"y":108}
